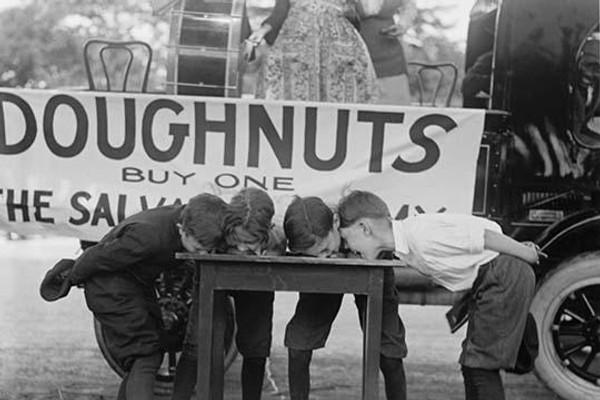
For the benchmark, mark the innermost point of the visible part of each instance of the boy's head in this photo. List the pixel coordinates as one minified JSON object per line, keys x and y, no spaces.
{"x":248,"y":220}
{"x":311,"y":227}
{"x":364,"y":223}
{"x":201,"y":223}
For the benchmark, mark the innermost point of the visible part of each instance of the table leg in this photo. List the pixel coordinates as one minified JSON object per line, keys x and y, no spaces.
{"x":205,"y":330}
{"x":218,"y":370}
{"x":372,"y":335}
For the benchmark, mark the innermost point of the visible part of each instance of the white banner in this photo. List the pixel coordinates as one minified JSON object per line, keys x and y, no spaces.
{"x":77,"y":163}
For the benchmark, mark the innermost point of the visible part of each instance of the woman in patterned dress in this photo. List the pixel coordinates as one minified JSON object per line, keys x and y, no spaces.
{"x":316,"y":54}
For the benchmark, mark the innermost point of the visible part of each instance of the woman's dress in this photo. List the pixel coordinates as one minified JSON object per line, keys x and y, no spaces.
{"x":318,"y":55}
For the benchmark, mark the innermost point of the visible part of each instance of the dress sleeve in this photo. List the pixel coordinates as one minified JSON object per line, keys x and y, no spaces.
{"x":120,"y":249}
{"x":276,"y":19}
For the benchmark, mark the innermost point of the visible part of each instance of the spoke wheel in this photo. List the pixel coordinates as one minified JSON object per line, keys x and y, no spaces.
{"x":576,"y":333}
{"x":567,"y":311}
{"x":174,"y":291}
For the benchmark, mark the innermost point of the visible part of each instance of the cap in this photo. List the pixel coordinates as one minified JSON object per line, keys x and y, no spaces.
{"x":57,"y":282}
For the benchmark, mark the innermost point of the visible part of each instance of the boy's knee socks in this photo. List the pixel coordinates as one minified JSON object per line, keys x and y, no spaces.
{"x":253,"y":374}
{"x":299,"y":373}
{"x":482,"y":384}
{"x":186,"y":375}
{"x":394,"y":377}
{"x":139,"y":382}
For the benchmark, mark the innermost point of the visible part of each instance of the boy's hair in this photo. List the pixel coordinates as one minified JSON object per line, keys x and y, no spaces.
{"x":361,"y":204}
{"x":251,"y":209}
{"x":202,"y":219}
{"x":306,"y":220}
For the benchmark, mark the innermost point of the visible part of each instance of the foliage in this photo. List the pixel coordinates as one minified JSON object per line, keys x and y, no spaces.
{"x":42,"y":41}
{"x":425,"y":42}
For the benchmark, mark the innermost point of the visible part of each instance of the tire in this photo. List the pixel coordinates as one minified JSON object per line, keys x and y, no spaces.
{"x":174,"y":296}
{"x":566,"y":308}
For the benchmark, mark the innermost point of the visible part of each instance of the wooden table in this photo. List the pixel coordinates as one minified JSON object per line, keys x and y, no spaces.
{"x":221,"y":273}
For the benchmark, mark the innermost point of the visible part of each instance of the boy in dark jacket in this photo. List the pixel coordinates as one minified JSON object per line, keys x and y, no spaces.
{"x":248,"y":230}
{"x":118,"y":277}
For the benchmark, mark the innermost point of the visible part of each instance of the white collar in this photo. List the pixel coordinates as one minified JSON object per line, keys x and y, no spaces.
{"x":400,"y":242}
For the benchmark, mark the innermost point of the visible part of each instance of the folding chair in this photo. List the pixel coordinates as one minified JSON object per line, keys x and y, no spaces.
{"x":129,"y":60}
{"x":439,"y":71}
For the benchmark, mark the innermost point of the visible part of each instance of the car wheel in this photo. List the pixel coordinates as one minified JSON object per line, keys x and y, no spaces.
{"x":566,"y":308}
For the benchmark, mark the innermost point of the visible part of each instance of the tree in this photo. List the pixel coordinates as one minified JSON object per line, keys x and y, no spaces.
{"x":43,"y":41}
{"x":426,"y":42}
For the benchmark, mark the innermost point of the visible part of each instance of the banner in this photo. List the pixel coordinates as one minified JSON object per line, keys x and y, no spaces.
{"x":77,"y":163}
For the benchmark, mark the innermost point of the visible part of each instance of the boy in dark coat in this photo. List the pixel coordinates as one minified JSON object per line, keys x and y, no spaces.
{"x":248,"y":230}
{"x":118,"y":277}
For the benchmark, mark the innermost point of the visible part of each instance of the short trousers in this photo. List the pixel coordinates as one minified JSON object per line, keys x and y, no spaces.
{"x":129,"y":315}
{"x":501,"y":296}
{"x":311,"y":324}
{"x":254,"y":322}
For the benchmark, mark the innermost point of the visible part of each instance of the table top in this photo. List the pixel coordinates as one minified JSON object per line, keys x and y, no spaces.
{"x":273,"y":261}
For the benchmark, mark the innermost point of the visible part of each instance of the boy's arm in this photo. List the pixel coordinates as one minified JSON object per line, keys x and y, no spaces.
{"x":501,"y":243}
{"x":126,"y":247}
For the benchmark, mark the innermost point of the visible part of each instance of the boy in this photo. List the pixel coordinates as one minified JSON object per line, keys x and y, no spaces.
{"x":459,"y":252}
{"x":248,"y":230}
{"x":311,"y":229}
{"x":118,"y":275}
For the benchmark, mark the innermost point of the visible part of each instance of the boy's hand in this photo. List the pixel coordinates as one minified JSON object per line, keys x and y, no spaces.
{"x":537,"y":253}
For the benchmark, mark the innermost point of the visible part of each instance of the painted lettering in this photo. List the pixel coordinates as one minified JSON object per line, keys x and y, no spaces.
{"x":128,"y":145}
{"x":310,"y":141}
{"x":81,"y":126}
{"x":30,"y":125}
{"x":178,"y":131}
{"x":417,"y":136}
{"x":203,"y":126}
{"x":281,"y":145}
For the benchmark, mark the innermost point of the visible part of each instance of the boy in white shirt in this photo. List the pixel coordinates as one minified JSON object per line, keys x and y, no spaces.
{"x":458,"y":252}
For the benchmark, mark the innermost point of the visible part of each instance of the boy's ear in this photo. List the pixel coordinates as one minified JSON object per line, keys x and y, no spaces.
{"x":336,"y":221}
{"x":365,"y":227}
